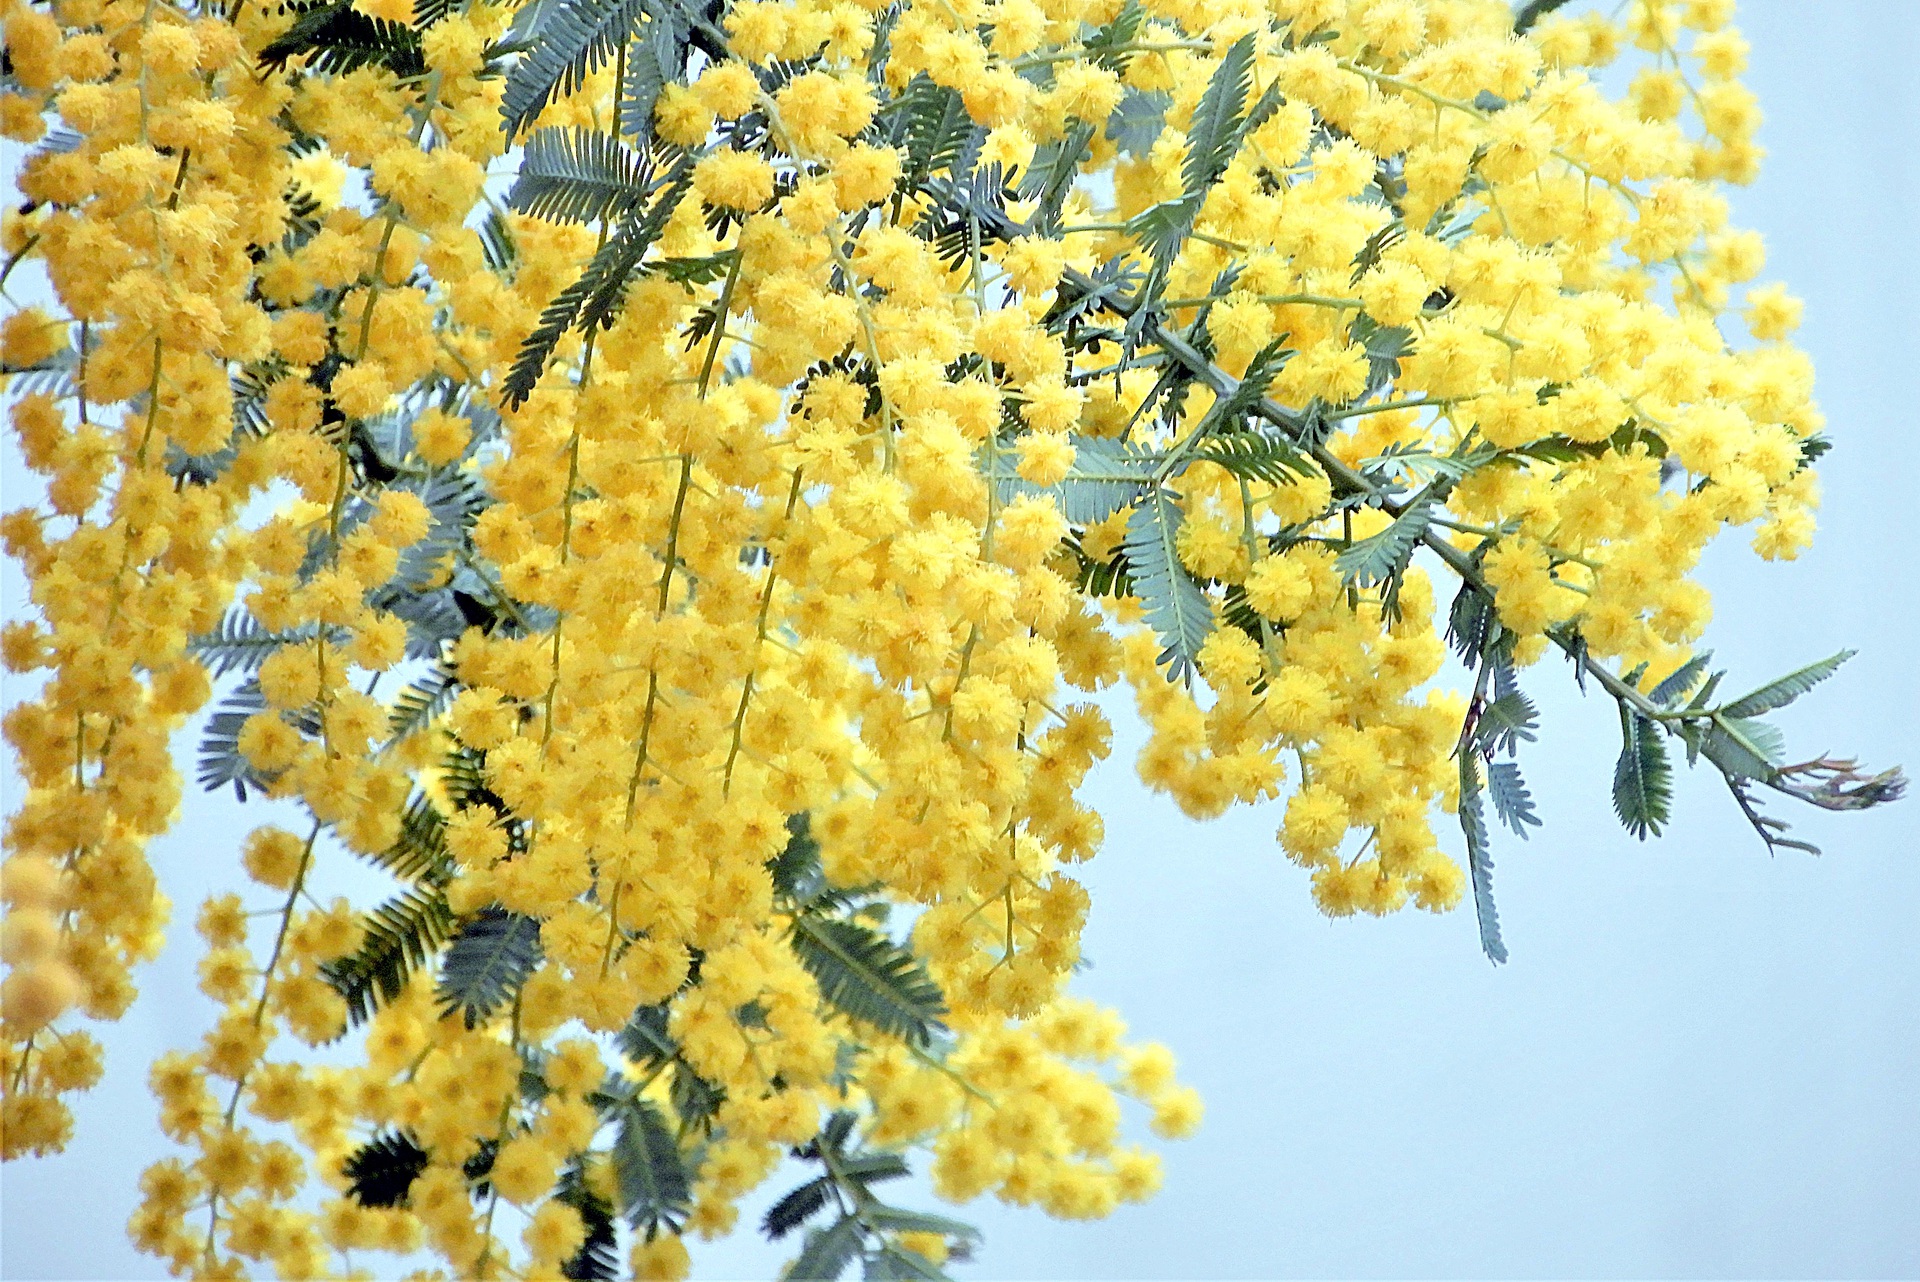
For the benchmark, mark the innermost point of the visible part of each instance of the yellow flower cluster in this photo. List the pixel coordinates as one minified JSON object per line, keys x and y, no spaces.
{"x":667,"y":572}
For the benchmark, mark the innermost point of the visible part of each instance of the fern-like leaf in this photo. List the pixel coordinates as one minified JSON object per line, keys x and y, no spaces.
{"x":1680,"y":682}
{"x":592,"y":299}
{"x":1139,"y":121}
{"x":1383,"y":556}
{"x":796,"y":869}
{"x":1213,"y":134}
{"x":1506,"y":721}
{"x":1471,"y":623}
{"x":869,"y":978}
{"x":241,"y":643}
{"x":1511,"y":800}
{"x":336,"y":38}
{"x":1744,"y":748}
{"x":579,"y":175}
{"x":401,"y":935}
{"x":1784,"y":690}
{"x":487,"y":962}
{"x":575,"y":38}
{"x":1531,"y":12}
{"x":649,"y":1172}
{"x":931,"y":122}
{"x":645,"y":1039}
{"x":1255,"y":456}
{"x":1106,"y":476}
{"x":827,"y":1252}
{"x":1108,"y":45}
{"x":221,"y":762}
{"x":1642,"y":777}
{"x":894,"y":1219}
{"x":422,"y":702}
{"x":1479,"y":859}
{"x":796,"y":1208}
{"x":598,"y":1257}
{"x":893,"y":1262}
{"x":382,"y":1171}
{"x":1050,"y":175}
{"x":419,"y":853}
{"x":1175,"y":607}
{"x":648,"y":72}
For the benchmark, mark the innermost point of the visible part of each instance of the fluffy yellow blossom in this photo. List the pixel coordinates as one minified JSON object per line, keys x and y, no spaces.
{"x":669,"y":558}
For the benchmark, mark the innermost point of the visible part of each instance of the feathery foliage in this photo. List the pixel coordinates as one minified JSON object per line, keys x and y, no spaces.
{"x":487,"y":962}
{"x":868,"y":977}
{"x":1174,"y":605}
{"x":573,"y":39}
{"x":579,"y":175}
{"x":655,"y":1190}
{"x":401,"y":936}
{"x":1642,"y":777}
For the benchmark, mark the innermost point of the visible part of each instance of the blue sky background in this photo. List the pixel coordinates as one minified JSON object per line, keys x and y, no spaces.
{"x":1701,"y":1061}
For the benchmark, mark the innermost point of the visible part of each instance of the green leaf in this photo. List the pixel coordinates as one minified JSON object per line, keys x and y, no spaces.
{"x":1174,"y":605}
{"x":579,"y":175}
{"x":1213,"y":134}
{"x":1506,"y":721}
{"x":593,"y":299}
{"x":647,"y":75}
{"x":419,"y":853}
{"x":1389,"y":235}
{"x":574,"y":38}
{"x":497,"y":245}
{"x":1424,"y":464}
{"x":221,"y":762}
{"x":1106,"y":476}
{"x":645,"y":1040}
{"x":1103,"y":46}
{"x":893,"y":1219}
{"x":1744,"y":748}
{"x":1784,"y":690}
{"x":1471,"y":623}
{"x":336,"y":38}
{"x":869,"y":978}
{"x":1255,"y":456}
{"x":695,"y":1099}
{"x":1473,"y":825}
{"x":933,"y":125}
{"x":1383,"y":556}
{"x":1812,"y":447}
{"x":827,"y":1252}
{"x":1137,"y":123}
{"x":382,"y":1171}
{"x":703,"y":270}
{"x":1051,"y":173}
{"x":896,"y":1263}
{"x":486,"y":964}
{"x":648,"y":1170}
{"x":241,"y":643}
{"x":401,"y":935}
{"x":598,"y":1258}
{"x":1680,"y":682}
{"x":1642,"y":777}
{"x":1531,"y":12}
{"x":1233,"y":409}
{"x":1162,"y":229}
{"x":796,"y":869}
{"x":1512,"y":803}
{"x":422,"y":702}
{"x":872,"y":1168}
{"x":796,"y":1208}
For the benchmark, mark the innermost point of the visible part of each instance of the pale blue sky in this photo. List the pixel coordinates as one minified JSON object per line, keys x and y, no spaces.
{"x":1701,"y":1062}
